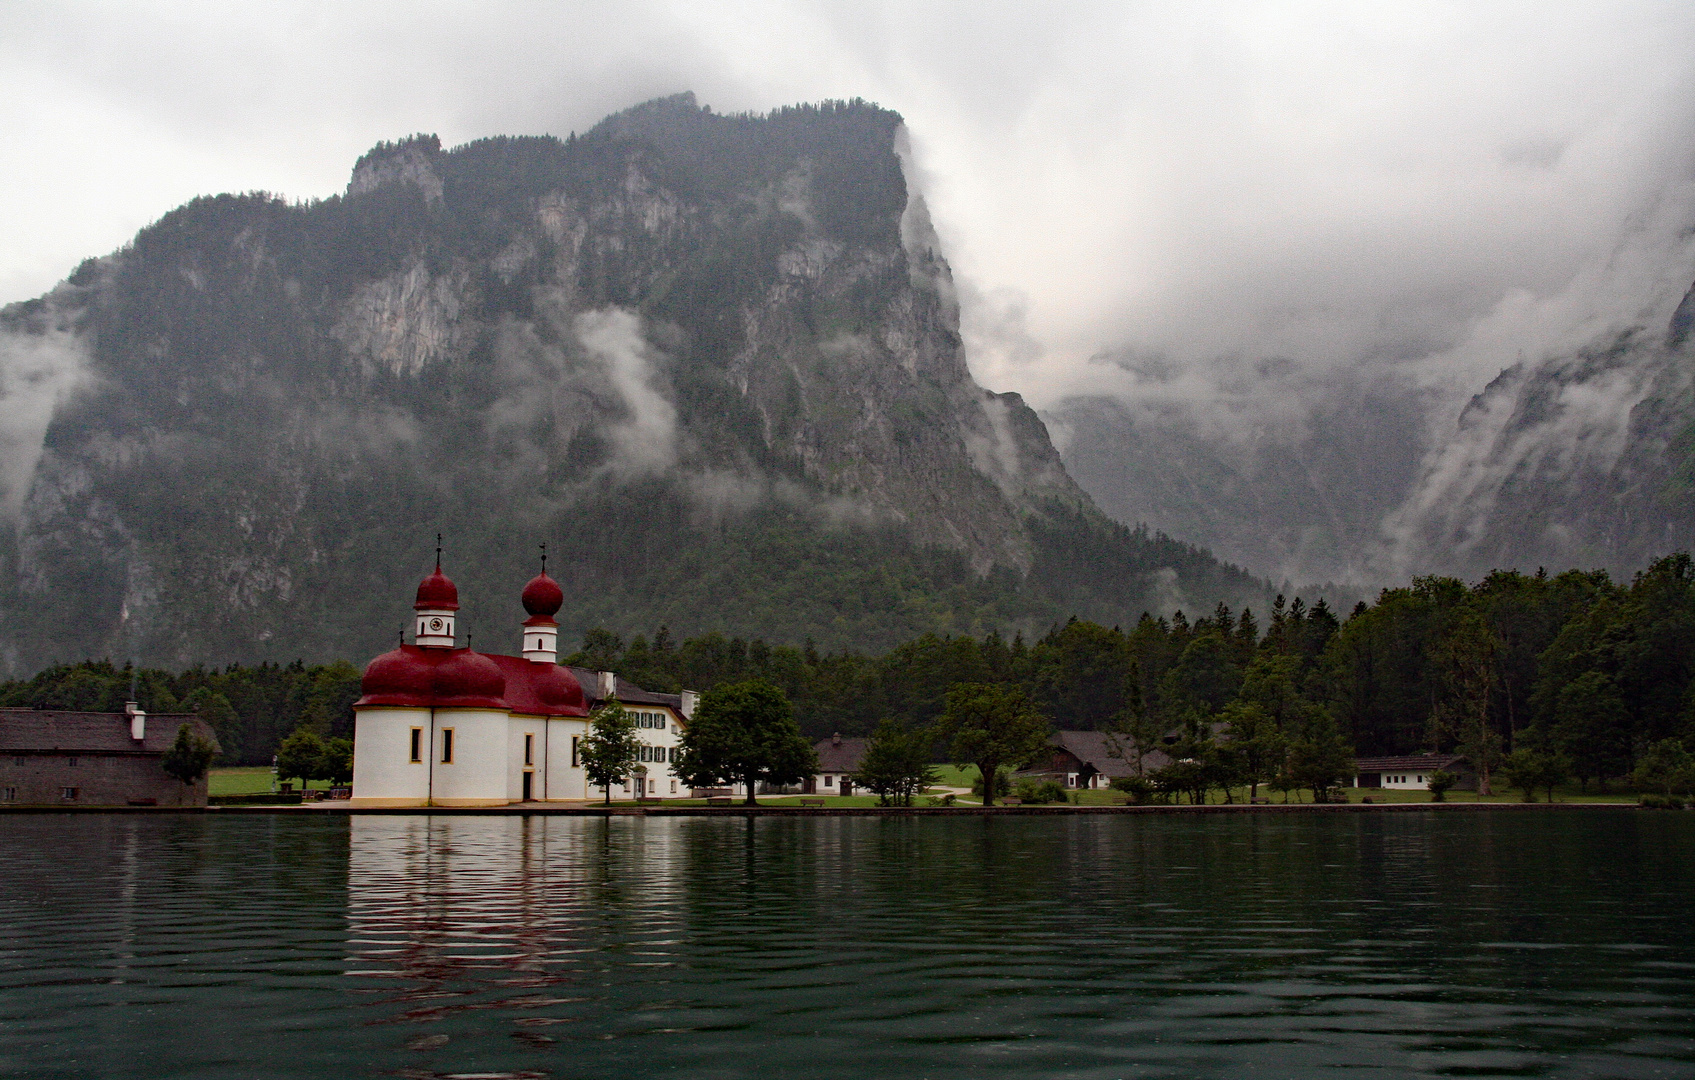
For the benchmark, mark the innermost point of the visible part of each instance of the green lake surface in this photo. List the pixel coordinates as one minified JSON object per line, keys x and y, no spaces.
{"x":1502,"y":942}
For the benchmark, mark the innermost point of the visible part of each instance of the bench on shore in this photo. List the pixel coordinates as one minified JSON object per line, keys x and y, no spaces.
{"x":813,"y":802}
{"x":718,"y":800}
{"x":1012,"y":800}
{"x":648,"y":800}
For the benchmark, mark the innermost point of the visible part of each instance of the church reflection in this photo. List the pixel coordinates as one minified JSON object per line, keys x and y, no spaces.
{"x":457,"y":914}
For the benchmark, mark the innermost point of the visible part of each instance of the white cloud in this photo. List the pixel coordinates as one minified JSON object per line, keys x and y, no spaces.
{"x":1367,"y":191}
{"x":645,"y":443}
{"x":42,"y":362}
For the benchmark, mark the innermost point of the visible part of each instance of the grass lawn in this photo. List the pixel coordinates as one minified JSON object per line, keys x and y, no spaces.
{"x":248,"y":780}
{"x":954,"y":776}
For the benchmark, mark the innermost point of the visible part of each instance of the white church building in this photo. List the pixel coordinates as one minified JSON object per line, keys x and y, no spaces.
{"x":440,"y":725}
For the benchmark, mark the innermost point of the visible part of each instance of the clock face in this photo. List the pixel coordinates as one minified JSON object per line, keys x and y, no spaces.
{"x":436,"y":625}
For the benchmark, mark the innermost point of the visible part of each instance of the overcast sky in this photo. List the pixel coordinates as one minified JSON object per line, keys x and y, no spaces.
{"x":1323,"y":181}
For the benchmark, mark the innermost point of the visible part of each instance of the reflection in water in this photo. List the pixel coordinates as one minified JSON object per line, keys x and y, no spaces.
{"x":1498,"y":943}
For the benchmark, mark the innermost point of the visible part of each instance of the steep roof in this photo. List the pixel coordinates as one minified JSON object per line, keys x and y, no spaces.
{"x":1109,"y":755}
{"x":628,"y":692}
{"x":1415,"y":762}
{"x":27,"y":730}
{"x":423,"y":677}
{"x":538,"y":689}
{"x":839,"y":755}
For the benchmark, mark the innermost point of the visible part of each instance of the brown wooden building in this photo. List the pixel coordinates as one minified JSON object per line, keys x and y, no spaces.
{"x":1091,"y":759}
{"x":55,"y":758}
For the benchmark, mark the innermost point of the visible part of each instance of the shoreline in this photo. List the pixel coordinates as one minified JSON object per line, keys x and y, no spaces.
{"x":796,"y":811}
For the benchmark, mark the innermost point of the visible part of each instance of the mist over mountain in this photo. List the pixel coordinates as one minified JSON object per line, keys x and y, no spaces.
{"x":713,"y":361}
{"x":1558,"y":431}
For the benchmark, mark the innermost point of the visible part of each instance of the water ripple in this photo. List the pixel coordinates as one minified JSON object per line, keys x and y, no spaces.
{"x":1500,"y":944}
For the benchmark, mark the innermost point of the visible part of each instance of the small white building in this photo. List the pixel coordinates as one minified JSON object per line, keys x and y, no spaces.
{"x":440,"y":725}
{"x":1411,"y":772}
{"x":838,"y":760}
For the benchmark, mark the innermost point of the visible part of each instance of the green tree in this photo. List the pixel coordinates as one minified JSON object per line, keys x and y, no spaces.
{"x":897,"y":764}
{"x":1440,"y":783}
{"x":1133,"y":731}
{"x":300,"y":755}
{"x":992,"y":724}
{"x":1320,"y":759}
{"x":611,"y":748}
{"x":1255,"y":744}
{"x":1592,"y":727}
{"x":336,"y":763}
{"x":220,"y":716}
{"x":1529,"y":768}
{"x":1185,"y":775}
{"x":189,"y":756}
{"x":1668,"y":766}
{"x":745,"y":731}
{"x":1466,"y":656}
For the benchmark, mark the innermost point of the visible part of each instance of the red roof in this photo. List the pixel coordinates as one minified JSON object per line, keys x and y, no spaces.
{"x":540,"y":689}
{"x":427,"y":678}
{"x":437,"y":593}
{"x":542,"y":596}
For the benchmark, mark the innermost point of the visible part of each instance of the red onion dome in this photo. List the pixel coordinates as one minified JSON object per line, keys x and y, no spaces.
{"x":556,"y":688}
{"x":468,"y":678}
{"x":437,"y":593}
{"x":543,"y":596}
{"x":402,"y":677}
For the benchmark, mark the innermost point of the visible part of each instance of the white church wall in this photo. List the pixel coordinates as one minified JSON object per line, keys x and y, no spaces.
{"x":477,"y":774}
{"x":384,"y":773}
{"x":564,"y":780}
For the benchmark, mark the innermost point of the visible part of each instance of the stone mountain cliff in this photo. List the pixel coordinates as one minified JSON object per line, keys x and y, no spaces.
{"x":713,"y":360}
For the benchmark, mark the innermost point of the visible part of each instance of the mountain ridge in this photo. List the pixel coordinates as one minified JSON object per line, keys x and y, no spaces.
{"x":712,"y":360}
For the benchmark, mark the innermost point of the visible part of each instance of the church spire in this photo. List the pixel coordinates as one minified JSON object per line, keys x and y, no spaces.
{"x":542,"y":598}
{"x":436,"y":603}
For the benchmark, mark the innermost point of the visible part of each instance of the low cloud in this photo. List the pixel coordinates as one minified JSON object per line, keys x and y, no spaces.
{"x":1210,"y":212}
{"x":43,"y":361}
{"x":645,"y":441}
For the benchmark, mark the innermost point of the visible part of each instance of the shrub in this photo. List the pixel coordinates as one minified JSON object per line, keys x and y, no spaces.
{"x":1439,"y":784}
{"x":1661,"y":802}
{"x":1037,"y":792}
{"x":1140,"y":789}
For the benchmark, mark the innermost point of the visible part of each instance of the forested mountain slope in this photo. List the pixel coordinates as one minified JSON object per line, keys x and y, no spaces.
{"x":713,"y":361}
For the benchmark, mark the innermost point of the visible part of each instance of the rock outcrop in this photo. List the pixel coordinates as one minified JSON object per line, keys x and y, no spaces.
{"x":713,"y":361}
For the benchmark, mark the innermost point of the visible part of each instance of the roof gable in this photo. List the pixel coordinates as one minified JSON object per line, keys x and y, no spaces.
{"x":38,"y":730}
{"x":838,"y":755}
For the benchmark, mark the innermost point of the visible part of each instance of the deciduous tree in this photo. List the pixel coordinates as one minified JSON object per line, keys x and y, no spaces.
{"x":189,"y":757}
{"x":897,"y":764}
{"x":745,"y":731}
{"x":300,"y":755}
{"x":992,"y":724}
{"x":611,"y":748}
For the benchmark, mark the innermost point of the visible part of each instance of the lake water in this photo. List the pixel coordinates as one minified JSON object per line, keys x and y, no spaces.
{"x":1457,"y":943}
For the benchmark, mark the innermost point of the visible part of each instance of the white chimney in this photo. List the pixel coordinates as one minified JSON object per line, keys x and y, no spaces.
{"x":608,"y":685}
{"x":137,"y":721}
{"x":690,"y":700}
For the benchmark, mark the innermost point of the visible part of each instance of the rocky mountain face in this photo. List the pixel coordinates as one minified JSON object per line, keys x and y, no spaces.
{"x":712,"y":361}
{"x":1580,"y":460}
{"x":1303,"y":500}
{"x":1581,"y":456}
